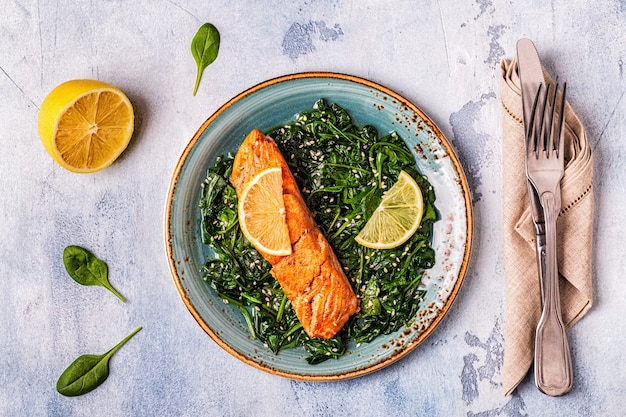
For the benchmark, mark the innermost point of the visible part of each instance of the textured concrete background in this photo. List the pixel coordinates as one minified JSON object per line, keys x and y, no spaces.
{"x":442,"y":55}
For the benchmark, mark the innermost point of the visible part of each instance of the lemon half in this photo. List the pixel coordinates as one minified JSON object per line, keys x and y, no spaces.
{"x":85,"y":124}
{"x":396,"y":218}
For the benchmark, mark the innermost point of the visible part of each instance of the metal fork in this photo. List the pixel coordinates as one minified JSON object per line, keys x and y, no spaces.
{"x":544,"y":168}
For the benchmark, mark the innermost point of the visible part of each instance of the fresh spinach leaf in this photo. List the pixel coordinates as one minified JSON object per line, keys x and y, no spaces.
{"x":87,"y":372}
{"x":204,"y":48}
{"x":86,"y":269}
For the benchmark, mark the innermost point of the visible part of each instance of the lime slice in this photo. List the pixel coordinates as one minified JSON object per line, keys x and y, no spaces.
{"x":396,"y":218}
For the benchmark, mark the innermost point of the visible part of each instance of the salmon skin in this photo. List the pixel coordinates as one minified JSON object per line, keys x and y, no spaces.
{"x":311,"y":276}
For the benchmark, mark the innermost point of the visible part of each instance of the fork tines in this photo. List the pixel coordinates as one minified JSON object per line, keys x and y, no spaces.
{"x":543,"y":133}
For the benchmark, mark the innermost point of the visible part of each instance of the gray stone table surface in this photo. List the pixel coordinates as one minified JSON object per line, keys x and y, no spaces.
{"x":442,"y":55}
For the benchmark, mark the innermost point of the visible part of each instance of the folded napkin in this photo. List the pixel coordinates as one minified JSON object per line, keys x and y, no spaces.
{"x":574,"y":232}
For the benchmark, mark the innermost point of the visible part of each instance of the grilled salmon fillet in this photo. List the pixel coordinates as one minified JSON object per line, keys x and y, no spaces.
{"x":311,"y":276}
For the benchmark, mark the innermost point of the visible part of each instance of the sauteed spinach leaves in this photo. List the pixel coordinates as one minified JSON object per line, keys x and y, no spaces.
{"x":342,"y":171}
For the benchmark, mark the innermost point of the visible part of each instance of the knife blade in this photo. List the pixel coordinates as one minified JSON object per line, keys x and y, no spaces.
{"x":531,"y":75}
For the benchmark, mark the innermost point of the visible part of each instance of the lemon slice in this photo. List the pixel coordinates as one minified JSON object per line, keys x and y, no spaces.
{"x":262,"y":213}
{"x":396,"y":218}
{"x":85,"y":124}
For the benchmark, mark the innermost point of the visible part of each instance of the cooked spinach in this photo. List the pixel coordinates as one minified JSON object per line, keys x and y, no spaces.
{"x":342,"y":171}
{"x":86,"y":269}
{"x":87,"y":372}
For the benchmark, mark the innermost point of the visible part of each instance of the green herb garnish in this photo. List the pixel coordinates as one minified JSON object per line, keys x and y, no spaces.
{"x":87,"y":372}
{"x":86,"y":269}
{"x":204,"y":48}
{"x":342,"y":171}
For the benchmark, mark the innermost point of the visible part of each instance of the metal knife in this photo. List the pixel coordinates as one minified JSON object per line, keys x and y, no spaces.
{"x":531,"y":75}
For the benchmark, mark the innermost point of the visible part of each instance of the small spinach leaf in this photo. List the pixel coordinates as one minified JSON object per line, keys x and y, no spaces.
{"x":86,"y":269}
{"x":204,"y":48}
{"x":87,"y":372}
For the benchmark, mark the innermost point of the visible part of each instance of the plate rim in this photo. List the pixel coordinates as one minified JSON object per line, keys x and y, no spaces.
{"x":469,"y":229}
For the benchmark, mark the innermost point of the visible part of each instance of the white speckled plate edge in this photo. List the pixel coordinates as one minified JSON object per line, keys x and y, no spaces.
{"x":275,"y":102}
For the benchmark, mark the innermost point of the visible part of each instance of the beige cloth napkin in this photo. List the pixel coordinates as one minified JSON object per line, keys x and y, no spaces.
{"x":574,"y":229}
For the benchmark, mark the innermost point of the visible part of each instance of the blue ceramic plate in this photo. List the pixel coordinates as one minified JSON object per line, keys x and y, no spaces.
{"x":274,"y":103}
